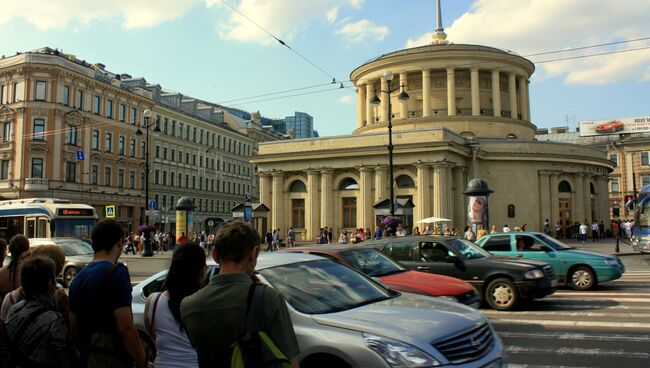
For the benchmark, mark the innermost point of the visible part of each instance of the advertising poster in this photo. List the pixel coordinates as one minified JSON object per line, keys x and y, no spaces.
{"x":477,"y":212}
{"x":190,"y":224}
{"x":615,"y":126}
{"x":181,"y":223}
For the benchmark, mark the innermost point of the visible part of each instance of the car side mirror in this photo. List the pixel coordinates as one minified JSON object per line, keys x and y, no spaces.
{"x":453,"y":259}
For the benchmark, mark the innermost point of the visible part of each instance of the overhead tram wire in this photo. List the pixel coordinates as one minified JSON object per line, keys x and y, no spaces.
{"x":279,"y":40}
{"x":592,"y":55}
{"x":274,"y":93}
{"x":589,"y":47}
{"x":296,"y":94}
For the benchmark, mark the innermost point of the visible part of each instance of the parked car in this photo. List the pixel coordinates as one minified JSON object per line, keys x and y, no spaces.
{"x":580,"y":269}
{"x":394,"y":275}
{"x":502,"y":282}
{"x":342,"y":318}
{"x":610,"y":127}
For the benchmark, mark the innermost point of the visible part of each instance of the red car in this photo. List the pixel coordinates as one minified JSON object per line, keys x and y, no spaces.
{"x":610,"y":127}
{"x":394,"y":275}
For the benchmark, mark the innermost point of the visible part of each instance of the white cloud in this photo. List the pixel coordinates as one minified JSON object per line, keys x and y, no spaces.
{"x":51,"y":14}
{"x":332,"y":14}
{"x":345,"y":99}
{"x":363,"y":31}
{"x":531,"y":26}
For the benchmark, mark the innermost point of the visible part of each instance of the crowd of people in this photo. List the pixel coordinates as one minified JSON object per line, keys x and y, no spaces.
{"x":162,"y":241}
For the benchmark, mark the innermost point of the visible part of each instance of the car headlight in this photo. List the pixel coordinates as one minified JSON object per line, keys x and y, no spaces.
{"x":611,"y":262}
{"x":448,"y":297}
{"x":399,"y":354}
{"x":534,"y":274}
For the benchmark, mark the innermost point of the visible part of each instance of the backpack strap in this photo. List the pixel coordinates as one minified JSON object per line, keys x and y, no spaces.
{"x":255,"y":306}
{"x":153,"y":311}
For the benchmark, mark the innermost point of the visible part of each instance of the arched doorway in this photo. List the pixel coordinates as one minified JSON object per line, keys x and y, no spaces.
{"x":564,"y":205}
{"x":592,"y":196}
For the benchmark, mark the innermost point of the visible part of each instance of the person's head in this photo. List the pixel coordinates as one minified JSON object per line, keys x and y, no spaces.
{"x":37,"y":276}
{"x":237,"y":242}
{"x":3,"y":251}
{"x":53,"y":252}
{"x":18,"y":245}
{"x":186,"y":275}
{"x":107,"y":238}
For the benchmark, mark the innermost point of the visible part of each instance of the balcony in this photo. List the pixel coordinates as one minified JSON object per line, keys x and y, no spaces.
{"x":36,"y":184}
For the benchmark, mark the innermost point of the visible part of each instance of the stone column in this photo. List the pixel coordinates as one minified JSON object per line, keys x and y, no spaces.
{"x":523,"y":104}
{"x":603,"y":199}
{"x":277,"y":202}
{"x":364,"y":209}
{"x":587,"y":197}
{"x":579,"y":198}
{"x":496,"y":93}
{"x":512,"y":80}
{"x":370,"y":112}
{"x":403,"y":105}
{"x":384,"y":101}
{"x":312,"y":212}
{"x":555,"y":205}
{"x":450,"y":201}
{"x":327,"y":199}
{"x":361,"y":110}
{"x":440,"y":190}
{"x":451,"y":91}
{"x":424,"y":197}
{"x":426,"y":93}
{"x":265,"y":189}
{"x":381,"y":183}
{"x":476,"y":97}
{"x":460,"y":218}
{"x":544,"y":200}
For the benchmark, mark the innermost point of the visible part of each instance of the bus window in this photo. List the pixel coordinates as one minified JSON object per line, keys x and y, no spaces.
{"x":31,"y":228}
{"x":42,"y":228}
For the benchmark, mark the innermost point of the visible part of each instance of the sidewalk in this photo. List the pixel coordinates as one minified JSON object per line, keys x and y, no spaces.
{"x":607,"y":246}
{"x":163,"y":255}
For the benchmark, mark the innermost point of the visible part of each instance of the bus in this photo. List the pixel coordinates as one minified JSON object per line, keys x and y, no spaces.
{"x":46,"y":218}
{"x":641,"y":229}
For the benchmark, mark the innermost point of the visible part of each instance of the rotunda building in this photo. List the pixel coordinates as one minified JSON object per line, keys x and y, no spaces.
{"x":457,"y":112}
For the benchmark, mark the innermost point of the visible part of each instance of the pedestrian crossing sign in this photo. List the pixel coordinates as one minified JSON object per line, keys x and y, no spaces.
{"x":110,"y":211}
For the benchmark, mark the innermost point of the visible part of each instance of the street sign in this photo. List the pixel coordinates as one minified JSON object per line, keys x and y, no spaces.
{"x":110,"y":211}
{"x":152,"y":204}
{"x":80,"y":155}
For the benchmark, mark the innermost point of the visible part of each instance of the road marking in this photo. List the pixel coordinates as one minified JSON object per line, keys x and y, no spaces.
{"x":568,"y":314}
{"x":630,"y":325}
{"x":577,"y":351}
{"x":575,"y":336}
{"x":541,"y":366}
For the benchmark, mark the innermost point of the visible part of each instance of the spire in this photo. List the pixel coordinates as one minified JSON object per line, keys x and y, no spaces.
{"x":439,"y":36}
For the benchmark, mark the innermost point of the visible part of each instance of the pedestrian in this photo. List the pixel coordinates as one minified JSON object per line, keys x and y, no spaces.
{"x":37,"y":333}
{"x":162,"y":312}
{"x":319,"y":236}
{"x":594,"y":231}
{"x":378,"y":233}
{"x":506,"y":229}
{"x":469,"y":234}
{"x":276,"y":240}
{"x":330,"y":234}
{"x":202,"y":240}
{"x":215,"y":316}
{"x":615,"y":229}
{"x":481,"y":232}
{"x":101,"y":320}
{"x":493,"y":230}
{"x":601,"y":230}
{"x":583,"y":232}
{"x":291,"y":237}
{"x":547,"y":227}
{"x":182,"y":239}
{"x":269,"y":241}
{"x":343,"y":238}
{"x":558,"y":230}
{"x":10,"y":275}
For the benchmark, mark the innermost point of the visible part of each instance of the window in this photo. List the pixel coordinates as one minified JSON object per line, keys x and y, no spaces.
{"x":350,"y":212}
{"x":142,"y":181}
{"x":405,"y":181}
{"x":120,"y":178}
{"x":4,"y":169}
{"x":16,"y":92}
{"x":94,"y":177}
{"x":645,"y":180}
{"x":164,"y":153}
{"x":194,"y":160}
{"x":40,"y":90}
{"x":298,"y":213}
{"x":157,"y":151}
{"x":164,"y":177}
{"x":187,"y":181}
{"x":616,"y":211}
{"x":193,"y":182}
{"x":134,"y":114}
{"x":173,"y":157}
{"x":433,"y":252}
{"x":155,"y":177}
{"x":349,"y":184}
{"x":122,"y":145}
{"x":614,"y":157}
{"x":171,"y":179}
{"x":564,"y":187}
{"x":107,"y":176}
{"x":70,"y":172}
{"x":615,"y":185}
{"x":38,"y":130}
{"x":2,"y":94}
{"x":180,"y":179}
{"x":66,"y":95}
{"x":644,"y":158}
{"x":37,"y":168}
{"x":71,"y":135}
{"x":109,"y":109}
{"x":7,"y":131}
{"x":122,"y":112}
{"x":500,"y":243}
{"x":132,"y":179}
{"x":109,"y":142}
{"x":96,"y":139}
{"x":527,"y":243}
{"x":80,"y":100}
{"x":132,"y":148}
{"x":96,"y":105}
{"x":402,"y":251}
{"x":298,"y":187}
{"x":142,"y":150}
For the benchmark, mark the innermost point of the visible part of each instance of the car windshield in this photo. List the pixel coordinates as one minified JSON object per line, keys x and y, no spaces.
{"x":554,"y":243}
{"x":371,"y":262}
{"x":468,"y":249}
{"x":75,"y":228}
{"x":324,"y":286}
{"x":75,"y":247}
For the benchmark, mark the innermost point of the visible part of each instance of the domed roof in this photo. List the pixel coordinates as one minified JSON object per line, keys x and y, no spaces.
{"x":185,"y":203}
{"x":477,"y":186}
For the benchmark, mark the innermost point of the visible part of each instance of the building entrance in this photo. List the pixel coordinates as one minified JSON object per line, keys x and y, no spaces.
{"x":565,"y":217}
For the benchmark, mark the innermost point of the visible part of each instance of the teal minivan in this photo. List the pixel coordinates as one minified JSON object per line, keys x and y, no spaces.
{"x":579,"y":269}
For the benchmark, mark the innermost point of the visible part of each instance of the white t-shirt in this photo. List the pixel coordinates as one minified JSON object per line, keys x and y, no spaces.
{"x":583,"y":229}
{"x":172,"y":344}
{"x":506,"y":229}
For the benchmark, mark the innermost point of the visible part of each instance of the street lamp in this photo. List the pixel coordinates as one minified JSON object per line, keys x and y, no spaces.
{"x":147,"y":116}
{"x":403,"y":96}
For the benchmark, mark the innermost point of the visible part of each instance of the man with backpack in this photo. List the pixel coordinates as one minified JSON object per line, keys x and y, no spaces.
{"x":215,"y":317}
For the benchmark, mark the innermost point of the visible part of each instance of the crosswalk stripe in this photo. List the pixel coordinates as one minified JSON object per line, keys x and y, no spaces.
{"x":575,"y":336}
{"x":603,"y":294}
{"x":541,"y":366}
{"x":577,"y":351}
{"x":631,"y":325}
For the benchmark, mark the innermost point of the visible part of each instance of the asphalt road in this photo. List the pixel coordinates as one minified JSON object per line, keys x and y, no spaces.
{"x":605,"y":327}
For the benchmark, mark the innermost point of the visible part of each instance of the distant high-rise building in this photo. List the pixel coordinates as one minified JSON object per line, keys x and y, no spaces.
{"x":314,"y":134}
{"x":301,"y":123}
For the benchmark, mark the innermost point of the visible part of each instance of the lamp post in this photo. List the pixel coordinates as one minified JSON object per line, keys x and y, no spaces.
{"x":147,"y":251}
{"x":403,"y":96}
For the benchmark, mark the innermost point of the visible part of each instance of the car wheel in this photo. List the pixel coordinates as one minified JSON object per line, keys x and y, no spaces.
{"x":582,"y":278}
{"x":69,"y":274}
{"x":501,"y":294}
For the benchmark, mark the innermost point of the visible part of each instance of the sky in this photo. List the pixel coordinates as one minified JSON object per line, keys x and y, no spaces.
{"x":205,"y":49}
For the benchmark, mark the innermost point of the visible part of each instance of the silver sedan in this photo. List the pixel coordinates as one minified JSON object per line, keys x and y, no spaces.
{"x":344,"y":319}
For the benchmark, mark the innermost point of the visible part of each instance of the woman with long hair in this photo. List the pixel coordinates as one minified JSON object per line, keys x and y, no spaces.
{"x":163,"y":310}
{"x":10,"y":275}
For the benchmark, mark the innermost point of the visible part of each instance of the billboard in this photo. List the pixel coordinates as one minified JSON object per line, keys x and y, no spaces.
{"x":615,"y":126}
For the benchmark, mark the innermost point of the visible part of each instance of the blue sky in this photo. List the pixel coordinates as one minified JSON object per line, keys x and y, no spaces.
{"x":203,"y":48}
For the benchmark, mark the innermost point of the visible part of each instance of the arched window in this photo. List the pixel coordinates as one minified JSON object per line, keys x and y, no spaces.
{"x":298,"y":187}
{"x":405,"y":181}
{"x":511,"y":136}
{"x":564,"y":187}
{"x":349,"y":184}
{"x":592,"y":189}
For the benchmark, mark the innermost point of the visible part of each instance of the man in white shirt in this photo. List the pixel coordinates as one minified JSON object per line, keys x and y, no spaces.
{"x":506,"y":229}
{"x":594,"y":231}
{"x":583,"y":232}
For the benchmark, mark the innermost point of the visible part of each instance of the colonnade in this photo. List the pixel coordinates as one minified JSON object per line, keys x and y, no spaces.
{"x":366,"y":89}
